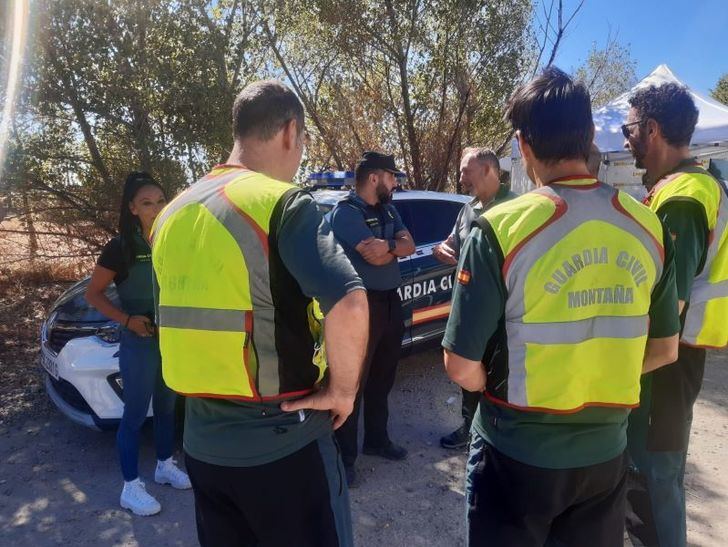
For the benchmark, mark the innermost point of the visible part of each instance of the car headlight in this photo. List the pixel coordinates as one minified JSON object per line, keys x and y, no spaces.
{"x":109,"y":333}
{"x":116,"y":384}
{"x":47,"y":326}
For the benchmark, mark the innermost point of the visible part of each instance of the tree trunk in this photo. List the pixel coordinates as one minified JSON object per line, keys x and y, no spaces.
{"x":414,"y":144}
{"x":88,"y":137}
{"x":29,"y":225}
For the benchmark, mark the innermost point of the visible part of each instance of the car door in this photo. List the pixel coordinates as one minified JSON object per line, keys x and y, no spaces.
{"x":426,"y":299}
{"x":405,"y":270}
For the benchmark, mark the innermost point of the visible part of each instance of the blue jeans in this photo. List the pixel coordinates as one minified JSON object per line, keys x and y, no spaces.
{"x":140,"y":365}
{"x":663,"y":473}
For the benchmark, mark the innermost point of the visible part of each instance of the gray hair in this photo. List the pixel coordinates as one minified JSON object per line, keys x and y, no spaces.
{"x":483,"y":155}
{"x":262,"y":108}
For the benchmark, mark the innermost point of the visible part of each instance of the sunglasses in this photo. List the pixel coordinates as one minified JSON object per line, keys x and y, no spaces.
{"x":625,"y":128}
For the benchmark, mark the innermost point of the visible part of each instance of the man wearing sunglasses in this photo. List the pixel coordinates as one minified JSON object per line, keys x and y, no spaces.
{"x":553,"y":327}
{"x":693,"y":207}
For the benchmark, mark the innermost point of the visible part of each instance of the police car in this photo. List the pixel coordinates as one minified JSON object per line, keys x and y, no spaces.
{"x":80,"y":347}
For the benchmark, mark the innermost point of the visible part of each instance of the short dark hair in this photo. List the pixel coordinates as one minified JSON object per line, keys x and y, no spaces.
{"x":672,"y":107}
{"x":263,"y":108}
{"x":361,"y":174}
{"x":553,"y":114}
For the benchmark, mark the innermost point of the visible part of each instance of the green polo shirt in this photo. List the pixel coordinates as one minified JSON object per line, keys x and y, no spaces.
{"x":475,"y":331}
{"x":688,"y":226}
{"x":133,"y":280}
{"x":470,"y":212}
{"x":241,"y":434}
{"x":668,"y":393}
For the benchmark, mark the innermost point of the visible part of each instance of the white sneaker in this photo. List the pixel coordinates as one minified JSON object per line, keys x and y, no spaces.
{"x":136,"y":498}
{"x":167,"y":472}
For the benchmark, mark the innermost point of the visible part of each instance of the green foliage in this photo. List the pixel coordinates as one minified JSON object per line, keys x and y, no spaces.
{"x":122,"y":85}
{"x":418,"y":78}
{"x":608,"y":72}
{"x":119,"y":86}
{"x":720,"y":93}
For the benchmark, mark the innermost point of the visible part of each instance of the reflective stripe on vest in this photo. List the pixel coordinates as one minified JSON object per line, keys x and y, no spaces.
{"x":706,"y":323}
{"x":179,"y":317}
{"x":211,"y":259}
{"x":580,"y":263}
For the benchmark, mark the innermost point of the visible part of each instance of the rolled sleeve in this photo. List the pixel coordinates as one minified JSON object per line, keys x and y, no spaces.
{"x":309,"y":250}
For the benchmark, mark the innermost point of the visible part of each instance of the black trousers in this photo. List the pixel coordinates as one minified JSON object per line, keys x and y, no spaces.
{"x":300,"y":500}
{"x":517,"y":504}
{"x":380,"y":367}
{"x":469,"y":406}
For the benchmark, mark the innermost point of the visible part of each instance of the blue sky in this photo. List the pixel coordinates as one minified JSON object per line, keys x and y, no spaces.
{"x":691,"y":37}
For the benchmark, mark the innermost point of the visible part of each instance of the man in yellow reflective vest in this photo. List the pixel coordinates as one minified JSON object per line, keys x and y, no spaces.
{"x":564,"y":297}
{"x":692,"y":205}
{"x":237,"y":259}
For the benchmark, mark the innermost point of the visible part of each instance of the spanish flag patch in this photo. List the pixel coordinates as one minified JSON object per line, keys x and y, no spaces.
{"x":463,"y":277}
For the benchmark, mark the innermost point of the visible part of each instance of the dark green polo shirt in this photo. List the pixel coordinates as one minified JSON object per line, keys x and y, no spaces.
{"x":686,"y":222}
{"x":475,"y":331}
{"x":133,"y":280}
{"x":238,"y":434}
{"x":668,"y":393}
{"x":688,"y":226}
{"x":470,"y":212}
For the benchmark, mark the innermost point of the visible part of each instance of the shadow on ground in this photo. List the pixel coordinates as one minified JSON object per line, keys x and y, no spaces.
{"x":59,"y":482}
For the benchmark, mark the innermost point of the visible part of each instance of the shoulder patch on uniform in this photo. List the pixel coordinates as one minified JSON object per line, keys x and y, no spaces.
{"x":464,"y":277}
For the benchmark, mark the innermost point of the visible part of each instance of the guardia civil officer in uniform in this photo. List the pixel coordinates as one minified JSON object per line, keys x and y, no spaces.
{"x":374,"y":236}
{"x":479,"y":177}
{"x":573,"y":285}
{"x":237,"y":258}
{"x":692,"y":204}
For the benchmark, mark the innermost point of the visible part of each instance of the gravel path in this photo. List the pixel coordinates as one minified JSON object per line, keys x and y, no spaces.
{"x":59,"y":483}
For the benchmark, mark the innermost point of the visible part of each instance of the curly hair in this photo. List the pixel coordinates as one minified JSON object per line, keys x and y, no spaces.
{"x":672,"y":107}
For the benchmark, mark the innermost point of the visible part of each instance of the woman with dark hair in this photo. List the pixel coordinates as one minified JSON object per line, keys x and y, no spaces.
{"x":127,"y":261}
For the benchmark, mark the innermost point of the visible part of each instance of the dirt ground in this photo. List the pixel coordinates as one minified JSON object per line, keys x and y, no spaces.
{"x":59,"y":482}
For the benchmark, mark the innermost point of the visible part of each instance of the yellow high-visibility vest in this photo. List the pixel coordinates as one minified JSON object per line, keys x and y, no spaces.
{"x":233,"y":322}
{"x":580,"y":262}
{"x":706,"y":321}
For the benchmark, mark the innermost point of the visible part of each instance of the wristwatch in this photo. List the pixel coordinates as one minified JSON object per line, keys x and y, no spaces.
{"x":392,"y":245}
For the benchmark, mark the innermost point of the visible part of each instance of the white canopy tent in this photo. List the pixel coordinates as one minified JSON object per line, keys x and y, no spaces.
{"x":710,"y":139}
